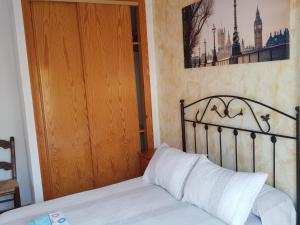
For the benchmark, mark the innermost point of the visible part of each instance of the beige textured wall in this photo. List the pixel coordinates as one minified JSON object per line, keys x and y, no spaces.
{"x":274,"y":83}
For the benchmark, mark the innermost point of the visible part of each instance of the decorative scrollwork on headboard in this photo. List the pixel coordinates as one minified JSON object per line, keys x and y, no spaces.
{"x":226,"y":109}
{"x":226,"y":112}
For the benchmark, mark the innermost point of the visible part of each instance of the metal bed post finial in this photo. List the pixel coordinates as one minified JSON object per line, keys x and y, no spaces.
{"x":298,"y":161}
{"x":182,"y":125}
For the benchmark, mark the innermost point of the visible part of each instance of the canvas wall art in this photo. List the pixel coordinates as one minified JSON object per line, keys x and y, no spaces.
{"x":222,"y":32}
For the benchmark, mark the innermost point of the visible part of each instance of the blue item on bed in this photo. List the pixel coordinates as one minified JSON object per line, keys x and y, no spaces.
{"x":56,"y":218}
{"x":45,"y":220}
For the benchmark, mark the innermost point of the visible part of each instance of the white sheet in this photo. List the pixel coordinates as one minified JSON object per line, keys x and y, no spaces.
{"x":132,"y":202}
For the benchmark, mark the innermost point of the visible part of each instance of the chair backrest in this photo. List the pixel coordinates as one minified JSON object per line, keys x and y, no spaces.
{"x":9,"y":165}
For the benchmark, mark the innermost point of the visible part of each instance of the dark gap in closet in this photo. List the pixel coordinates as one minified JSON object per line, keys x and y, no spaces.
{"x":138,"y":75}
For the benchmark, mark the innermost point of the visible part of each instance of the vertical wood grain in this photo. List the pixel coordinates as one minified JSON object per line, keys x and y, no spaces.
{"x":36,"y":97}
{"x":50,"y":187}
{"x":111,"y":91}
{"x":63,"y":97}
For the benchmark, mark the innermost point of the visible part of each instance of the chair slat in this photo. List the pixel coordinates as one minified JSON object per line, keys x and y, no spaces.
{"x":6,"y":166}
{"x":5,"y":144}
{"x":10,"y":187}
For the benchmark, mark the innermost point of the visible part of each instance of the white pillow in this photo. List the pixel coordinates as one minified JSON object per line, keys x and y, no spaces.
{"x":169,"y":168}
{"x":223,"y":193}
{"x":274,"y":207}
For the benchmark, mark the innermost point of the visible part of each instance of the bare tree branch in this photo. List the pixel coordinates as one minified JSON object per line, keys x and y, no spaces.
{"x":194,"y":18}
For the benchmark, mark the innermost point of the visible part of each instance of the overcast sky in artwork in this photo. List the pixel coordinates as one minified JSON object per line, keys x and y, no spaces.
{"x":274,"y":14}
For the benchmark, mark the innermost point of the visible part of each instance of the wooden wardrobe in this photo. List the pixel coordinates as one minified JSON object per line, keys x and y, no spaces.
{"x":84,"y":89}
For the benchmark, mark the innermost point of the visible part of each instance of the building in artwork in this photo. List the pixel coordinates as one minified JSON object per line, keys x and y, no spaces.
{"x":243,"y":45}
{"x":236,"y":51}
{"x":221,"y":38}
{"x":224,"y":45}
{"x":279,"y":38}
{"x":228,"y":41}
{"x":258,"y":30}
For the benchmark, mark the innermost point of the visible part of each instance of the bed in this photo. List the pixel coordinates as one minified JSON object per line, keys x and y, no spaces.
{"x":136,"y":202}
{"x":127,"y":203}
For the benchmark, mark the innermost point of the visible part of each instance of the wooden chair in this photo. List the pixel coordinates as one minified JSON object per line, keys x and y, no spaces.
{"x":10,"y":187}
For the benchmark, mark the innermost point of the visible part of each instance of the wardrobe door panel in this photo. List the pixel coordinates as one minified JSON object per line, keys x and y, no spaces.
{"x":111,"y":91}
{"x":63,"y":98}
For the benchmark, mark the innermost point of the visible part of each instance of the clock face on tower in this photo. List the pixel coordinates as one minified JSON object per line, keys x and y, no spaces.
{"x":258,"y":27}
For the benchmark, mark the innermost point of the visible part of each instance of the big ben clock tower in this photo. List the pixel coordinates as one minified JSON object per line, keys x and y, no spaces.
{"x":258,"y":30}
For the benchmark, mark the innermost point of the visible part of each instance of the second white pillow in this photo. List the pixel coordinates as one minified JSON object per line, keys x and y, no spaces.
{"x":223,"y":193}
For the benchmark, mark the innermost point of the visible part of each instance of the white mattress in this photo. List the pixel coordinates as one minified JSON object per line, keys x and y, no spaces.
{"x":131,"y":202}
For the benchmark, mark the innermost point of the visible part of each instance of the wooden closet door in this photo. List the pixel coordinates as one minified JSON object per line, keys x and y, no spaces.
{"x":66,"y":161}
{"x":111,"y":91}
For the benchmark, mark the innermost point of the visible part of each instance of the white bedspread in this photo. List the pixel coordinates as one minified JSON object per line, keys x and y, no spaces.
{"x":131,"y":202}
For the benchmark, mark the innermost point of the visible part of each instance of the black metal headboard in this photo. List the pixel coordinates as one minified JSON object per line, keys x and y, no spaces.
{"x":226,"y":102}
